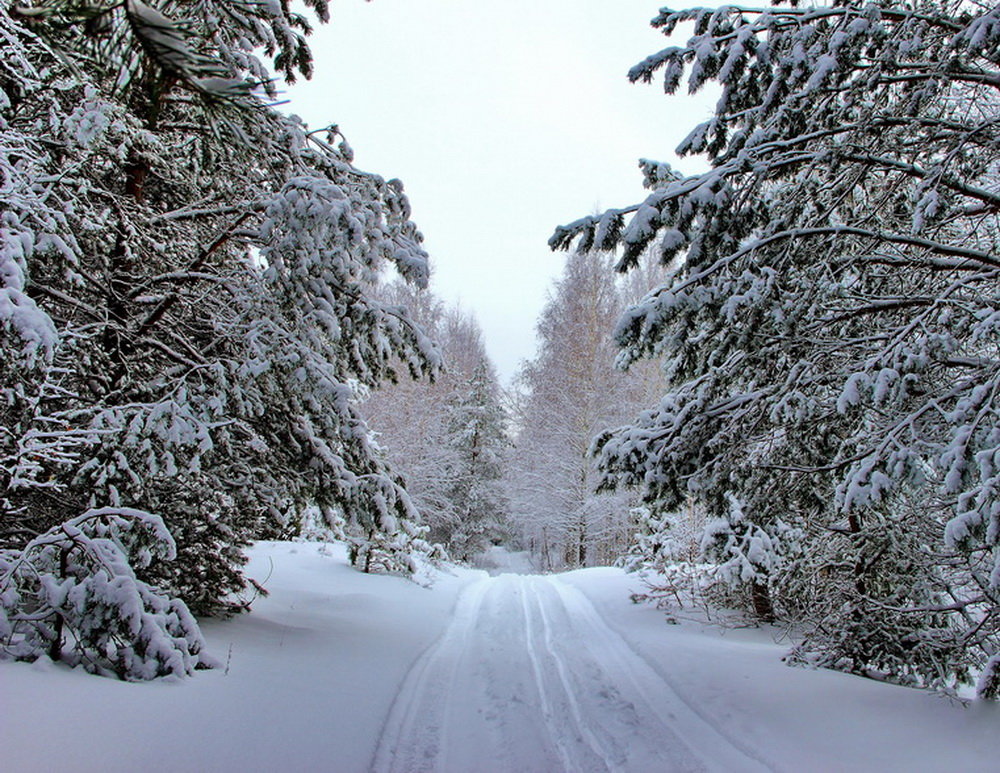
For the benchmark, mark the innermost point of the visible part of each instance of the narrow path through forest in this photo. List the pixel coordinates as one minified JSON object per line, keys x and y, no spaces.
{"x":529,"y":677}
{"x":342,"y":672}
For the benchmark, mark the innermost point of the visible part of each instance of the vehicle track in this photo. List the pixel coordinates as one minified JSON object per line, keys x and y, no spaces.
{"x":529,"y":677}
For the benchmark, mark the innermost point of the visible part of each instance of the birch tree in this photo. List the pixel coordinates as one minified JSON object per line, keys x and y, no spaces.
{"x":571,"y":392}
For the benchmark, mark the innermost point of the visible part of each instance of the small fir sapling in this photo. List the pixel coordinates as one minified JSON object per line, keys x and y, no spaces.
{"x":72,"y":594}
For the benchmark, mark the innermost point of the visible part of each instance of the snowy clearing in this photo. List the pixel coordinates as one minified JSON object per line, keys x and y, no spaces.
{"x":339,"y":671}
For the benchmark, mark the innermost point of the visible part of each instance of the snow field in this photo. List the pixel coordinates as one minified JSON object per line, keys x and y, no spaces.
{"x":795,"y":719}
{"x":305,"y":685}
{"x":343,"y":672}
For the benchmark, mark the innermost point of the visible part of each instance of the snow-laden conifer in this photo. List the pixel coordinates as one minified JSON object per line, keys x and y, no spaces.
{"x":829,"y":325}
{"x":478,"y":439}
{"x":447,"y":437}
{"x":186,"y":306}
{"x":72,"y":594}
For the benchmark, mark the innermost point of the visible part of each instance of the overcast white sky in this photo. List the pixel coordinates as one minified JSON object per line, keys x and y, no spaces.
{"x":503,"y":120}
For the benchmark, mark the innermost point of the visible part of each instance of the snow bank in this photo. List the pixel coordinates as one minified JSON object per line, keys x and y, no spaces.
{"x":308,"y":679}
{"x":795,"y":719}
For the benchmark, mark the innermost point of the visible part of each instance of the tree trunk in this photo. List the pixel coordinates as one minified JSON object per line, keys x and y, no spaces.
{"x":860,"y":570}
{"x":55,"y":648}
{"x":763,"y":607}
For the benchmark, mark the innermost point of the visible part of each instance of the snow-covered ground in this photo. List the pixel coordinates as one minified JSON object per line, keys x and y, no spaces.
{"x":499,"y":560}
{"x":339,"y":671}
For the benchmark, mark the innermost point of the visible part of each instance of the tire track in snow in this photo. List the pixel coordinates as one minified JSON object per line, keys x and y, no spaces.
{"x":715,"y":748}
{"x":415,"y":730}
{"x":583,"y":730}
{"x":529,"y":677}
{"x":536,"y":669}
{"x":622,"y":728}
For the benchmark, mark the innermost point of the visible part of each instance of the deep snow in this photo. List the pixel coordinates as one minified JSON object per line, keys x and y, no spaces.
{"x":339,"y":671}
{"x":529,"y":677}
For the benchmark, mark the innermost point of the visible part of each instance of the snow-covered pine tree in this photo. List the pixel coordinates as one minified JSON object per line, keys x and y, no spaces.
{"x":423,"y":426}
{"x":829,"y":327}
{"x":185,"y":300}
{"x":477,"y":435}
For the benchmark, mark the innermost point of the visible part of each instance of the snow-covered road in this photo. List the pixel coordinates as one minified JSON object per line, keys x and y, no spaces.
{"x":340,"y":672}
{"x":528,"y":676}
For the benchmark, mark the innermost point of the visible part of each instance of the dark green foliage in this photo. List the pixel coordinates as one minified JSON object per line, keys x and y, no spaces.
{"x":185,"y":295}
{"x":829,"y":325}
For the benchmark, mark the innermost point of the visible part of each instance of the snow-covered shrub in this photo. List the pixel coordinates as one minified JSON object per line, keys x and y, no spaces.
{"x":661,"y":539}
{"x":391,"y":550}
{"x":726,"y":561}
{"x":72,"y":594}
{"x":322,"y":525}
{"x":884,"y":598}
{"x":665,"y":553}
{"x":746,"y":556}
{"x":373,"y":551}
{"x":988,"y":685}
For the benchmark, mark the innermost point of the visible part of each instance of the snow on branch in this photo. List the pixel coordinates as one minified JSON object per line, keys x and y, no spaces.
{"x":72,"y":594}
{"x":828,"y":323}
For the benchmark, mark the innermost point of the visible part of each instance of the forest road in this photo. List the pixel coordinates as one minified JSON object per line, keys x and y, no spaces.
{"x":529,"y":677}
